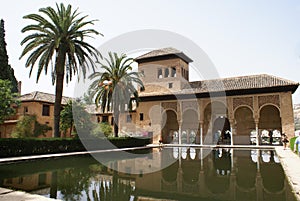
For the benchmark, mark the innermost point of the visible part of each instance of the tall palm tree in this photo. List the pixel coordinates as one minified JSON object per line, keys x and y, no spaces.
{"x":59,"y":35}
{"x":116,"y":86}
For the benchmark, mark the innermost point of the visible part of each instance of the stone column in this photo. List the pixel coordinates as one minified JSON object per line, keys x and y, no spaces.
{"x":256,"y":130}
{"x":201,"y":132}
{"x":179,"y":131}
{"x":231,"y":121}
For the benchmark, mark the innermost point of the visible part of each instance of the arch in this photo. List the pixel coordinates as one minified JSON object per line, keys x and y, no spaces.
{"x":211,"y":112}
{"x":269,"y":120}
{"x":190,"y":126}
{"x":221,"y":127}
{"x":170,"y":125}
{"x":244,"y":124}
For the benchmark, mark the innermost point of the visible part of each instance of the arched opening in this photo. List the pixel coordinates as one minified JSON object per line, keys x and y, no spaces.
{"x":211,"y":112}
{"x":244,"y":126}
{"x":190,"y":126}
{"x":221,"y":130}
{"x":170,"y":127}
{"x":269,"y":121}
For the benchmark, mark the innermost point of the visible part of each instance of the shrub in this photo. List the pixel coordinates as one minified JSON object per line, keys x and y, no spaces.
{"x":28,"y":126}
{"x":103,"y":128}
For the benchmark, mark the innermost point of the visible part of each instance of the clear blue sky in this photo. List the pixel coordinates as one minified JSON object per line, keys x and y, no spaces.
{"x":240,"y":37}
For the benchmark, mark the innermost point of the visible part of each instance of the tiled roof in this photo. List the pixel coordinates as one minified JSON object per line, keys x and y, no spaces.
{"x":244,"y":83}
{"x":240,"y":83}
{"x":164,"y":52}
{"x":43,"y":97}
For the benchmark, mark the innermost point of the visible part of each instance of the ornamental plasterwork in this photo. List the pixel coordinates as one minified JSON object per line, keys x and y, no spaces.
{"x":242,"y":101}
{"x":169,"y":105}
{"x":273,"y":99}
{"x":190,"y":105}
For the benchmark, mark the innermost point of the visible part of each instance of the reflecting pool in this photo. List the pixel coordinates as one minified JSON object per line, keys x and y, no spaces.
{"x":194,"y":174}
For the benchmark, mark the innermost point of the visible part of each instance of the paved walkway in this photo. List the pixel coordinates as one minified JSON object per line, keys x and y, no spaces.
{"x":291,"y":165}
{"x":10,"y":195}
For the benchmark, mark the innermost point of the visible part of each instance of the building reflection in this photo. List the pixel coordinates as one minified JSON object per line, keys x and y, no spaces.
{"x":219,"y":174}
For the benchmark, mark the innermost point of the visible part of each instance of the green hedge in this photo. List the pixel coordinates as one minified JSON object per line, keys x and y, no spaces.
{"x":292,"y":143}
{"x":10,"y":147}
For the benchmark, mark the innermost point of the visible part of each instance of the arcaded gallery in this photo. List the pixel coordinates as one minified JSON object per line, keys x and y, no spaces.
{"x":243,"y":110}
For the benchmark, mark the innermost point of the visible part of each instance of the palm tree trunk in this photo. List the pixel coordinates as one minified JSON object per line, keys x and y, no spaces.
{"x":57,"y":104}
{"x":60,"y":73}
{"x":116,"y":122}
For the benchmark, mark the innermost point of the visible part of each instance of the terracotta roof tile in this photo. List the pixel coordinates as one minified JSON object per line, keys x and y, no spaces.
{"x":43,"y":97}
{"x":164,"y":52}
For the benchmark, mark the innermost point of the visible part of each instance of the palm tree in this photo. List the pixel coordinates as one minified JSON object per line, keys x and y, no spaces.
{"x":59,"y":36}
{"x":116,"y":86}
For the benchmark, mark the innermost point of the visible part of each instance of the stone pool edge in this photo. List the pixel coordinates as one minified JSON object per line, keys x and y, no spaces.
{"x":291,"y":165}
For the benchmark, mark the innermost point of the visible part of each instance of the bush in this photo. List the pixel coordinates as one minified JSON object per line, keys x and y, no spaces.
{"x":103,"y":128}
{"x":292,"y":143}
{"x":11,"y":147}
{"x":28,"y":126}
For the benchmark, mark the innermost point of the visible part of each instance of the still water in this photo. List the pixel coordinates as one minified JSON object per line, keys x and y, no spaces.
{"x":194,"y":174}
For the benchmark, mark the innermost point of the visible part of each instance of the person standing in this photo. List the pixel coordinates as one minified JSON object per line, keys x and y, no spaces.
{"x":297,"y":144}
{"x":284,"y":140}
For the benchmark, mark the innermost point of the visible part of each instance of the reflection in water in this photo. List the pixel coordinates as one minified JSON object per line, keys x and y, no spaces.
{"x":224,"y":174}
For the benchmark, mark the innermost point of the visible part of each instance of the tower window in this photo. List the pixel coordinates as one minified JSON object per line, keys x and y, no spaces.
{"x":159,"y":73}
{"x":167,"y":74}
{"x":173,"y":72}
{"x":170,"y":85}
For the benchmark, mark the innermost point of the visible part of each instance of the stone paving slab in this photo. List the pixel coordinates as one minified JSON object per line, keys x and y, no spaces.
{"x":10,"y":195}
{"x":291,"y":164}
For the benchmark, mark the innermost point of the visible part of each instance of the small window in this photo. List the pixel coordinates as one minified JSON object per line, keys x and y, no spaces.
{"x":112,"y":121}
{"x":47,"y":122}
{"x":167,"y":74}
{"x":173,"y":72}
{"x":25,"y":109}
{"x":159,"y":73}
{"x":141,"y":116}
{"x":46,"y":110}
{"x":104,"y":119}
{"x":170,"y":85}
{"x":128,"y":118}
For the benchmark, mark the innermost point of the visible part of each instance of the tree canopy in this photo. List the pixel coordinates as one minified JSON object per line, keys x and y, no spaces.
{"x":59,"y":34}
{"x":116,"y":86}
{"x":7,"y":72}
{"x":8,"y":100}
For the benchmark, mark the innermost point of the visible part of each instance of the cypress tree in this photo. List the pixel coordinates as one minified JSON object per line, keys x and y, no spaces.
{"x":6,"y":71}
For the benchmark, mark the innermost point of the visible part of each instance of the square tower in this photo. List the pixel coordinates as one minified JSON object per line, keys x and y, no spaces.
{"x":167,"y":68}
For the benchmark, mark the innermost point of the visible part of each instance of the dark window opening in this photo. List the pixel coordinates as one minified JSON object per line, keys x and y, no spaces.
{"x":170,"y":85}
{"x":141,"y":116}
{"x":46,"y":110}
{"x":167,"y":72}
{"x":173,"y":72}
{"x":25,"y":109}
{"x":104,"y":119}
{"x":112,"y":121}
{"x":159,"y":73}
